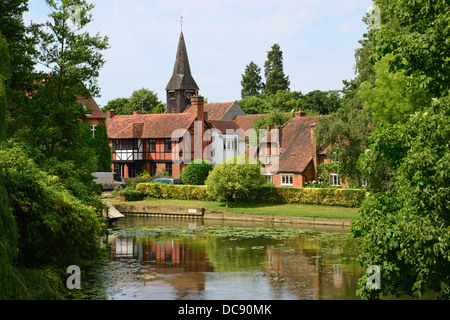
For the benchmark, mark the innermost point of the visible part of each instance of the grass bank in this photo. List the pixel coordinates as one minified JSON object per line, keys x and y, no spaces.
{"x":292,"y":210}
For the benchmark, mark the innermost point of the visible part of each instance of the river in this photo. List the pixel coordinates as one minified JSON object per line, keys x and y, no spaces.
{"x":177,"y":258}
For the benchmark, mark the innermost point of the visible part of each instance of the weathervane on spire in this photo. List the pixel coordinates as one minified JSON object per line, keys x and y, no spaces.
{"x":181,"y":22}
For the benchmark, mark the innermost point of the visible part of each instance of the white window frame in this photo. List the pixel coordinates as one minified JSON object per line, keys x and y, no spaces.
{"x":287,"y":179}
{"x":335,"y":181}
{"x":230,"y":143}
{"x":267,"y":159}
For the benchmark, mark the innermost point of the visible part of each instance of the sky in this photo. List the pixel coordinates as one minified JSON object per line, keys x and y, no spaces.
{"x":318,"y":39}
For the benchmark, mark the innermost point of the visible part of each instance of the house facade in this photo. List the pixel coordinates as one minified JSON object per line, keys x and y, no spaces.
{"x":192,"y":130}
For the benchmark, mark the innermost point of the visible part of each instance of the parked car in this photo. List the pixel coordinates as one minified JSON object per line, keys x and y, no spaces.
{"x":108,"y":180}
{"x":168,"y":181}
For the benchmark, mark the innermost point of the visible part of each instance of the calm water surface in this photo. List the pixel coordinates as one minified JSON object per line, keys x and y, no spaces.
{"x":157,"y":258}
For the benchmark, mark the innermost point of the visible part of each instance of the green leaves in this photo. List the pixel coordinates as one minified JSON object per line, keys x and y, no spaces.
{"x":196,"y":173}
{"x":237,"y":180}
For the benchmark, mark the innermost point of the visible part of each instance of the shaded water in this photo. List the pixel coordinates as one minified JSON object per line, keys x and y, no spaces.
{"x":157,"y":258}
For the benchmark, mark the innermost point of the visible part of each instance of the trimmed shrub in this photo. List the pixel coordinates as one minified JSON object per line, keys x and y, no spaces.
{"x":170,"y":191}
{"x":319,"y":196}
{"x":196,"y":173}
{"x":130,"y":194}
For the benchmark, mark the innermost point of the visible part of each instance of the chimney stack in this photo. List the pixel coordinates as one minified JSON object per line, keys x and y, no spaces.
{"x":197,"y":107}
{"x":110,"y":114}
{"x":300,"y":114}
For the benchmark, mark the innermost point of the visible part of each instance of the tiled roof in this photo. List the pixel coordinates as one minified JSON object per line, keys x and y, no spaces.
{"x":90,"y":103}
{"x":297,"y":144}
{"x":145,"y":126}
{"x":246,"y":122}
{"x":216,"y":111}
{"x":223,"y":125}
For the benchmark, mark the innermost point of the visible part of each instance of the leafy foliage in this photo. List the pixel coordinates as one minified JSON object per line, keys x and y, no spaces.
{"x":236,"y":179}
{"x":196,"y":173}
{"x":266,"y":194}
{"x":406,"y":227}
{"x":273,"y":71}
{"x":251,"y":81}
{"x":55,"y":226}
{"x":143,"y":100}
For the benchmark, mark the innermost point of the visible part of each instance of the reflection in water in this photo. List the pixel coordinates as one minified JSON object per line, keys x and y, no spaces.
{"x":169,"y":259}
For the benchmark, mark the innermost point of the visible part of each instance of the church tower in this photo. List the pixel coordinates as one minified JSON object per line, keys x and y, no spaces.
{"x":181,"y":86}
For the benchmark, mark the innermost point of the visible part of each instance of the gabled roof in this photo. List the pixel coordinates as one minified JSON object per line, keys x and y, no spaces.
{"x":224,"y":125}
{"x":146,"y":126}
{"x":217,"y":110}
{"x":182,"y":78}
{"x":90,"y":104}
{"x":296,"y":140}
{"x":246,"y":122}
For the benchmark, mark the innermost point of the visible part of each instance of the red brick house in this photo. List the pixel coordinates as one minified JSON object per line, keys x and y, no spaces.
{"x":295,"y":150}
{"x":143,"y":142}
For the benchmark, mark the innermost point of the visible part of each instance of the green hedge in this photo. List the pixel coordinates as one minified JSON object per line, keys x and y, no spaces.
{"x":322,"y":196}
{"x":170,"y":191}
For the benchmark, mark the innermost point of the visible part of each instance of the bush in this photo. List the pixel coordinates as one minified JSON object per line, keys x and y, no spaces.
{"x":170,"y":191}
{"x":237,"y":180}
{"x":130,"y":194}
{"x":196,"y":173}
{"x":267,"y":193}
{"x":55,"y":227}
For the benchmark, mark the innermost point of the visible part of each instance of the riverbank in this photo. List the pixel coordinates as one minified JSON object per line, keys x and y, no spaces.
{"x":270,"y":213}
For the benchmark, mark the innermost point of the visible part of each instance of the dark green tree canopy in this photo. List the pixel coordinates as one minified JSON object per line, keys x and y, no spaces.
{"x":144,"y":100}
{"x":251,"y":81}
{"x":273,"y":71}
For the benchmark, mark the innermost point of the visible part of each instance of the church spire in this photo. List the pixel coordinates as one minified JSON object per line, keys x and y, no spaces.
{"x":182,"y":78}
{"x":182,"y":85}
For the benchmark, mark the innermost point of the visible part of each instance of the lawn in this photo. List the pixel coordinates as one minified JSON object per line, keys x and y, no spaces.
{"x":296,"y":210}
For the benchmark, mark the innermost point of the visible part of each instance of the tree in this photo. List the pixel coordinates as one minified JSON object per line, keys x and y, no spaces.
{"x":417,"y":33}
{"x":251,"y":81}
{"x":117,"y":104}
{"x":273,"y":71}
{"x":74,"y":58}
{"x":159,"y":109}
{"x":55,"y":225}
{"x":390,"y":97}
{"x":143,"y":100}
{"x":4,"y":76}
{"x":322,"y":102}
{"x":8,"y":227}
{"x":272,"y":119}
{"x":51,"y":117}
{"x":20,"y":44}
{"x":405,"y":229}
{"x":404,"y":221}
{"x":254,"y":105}
{"x":196,"y":173}
{"x":236,"y":180}
{"x":100,"y":144}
